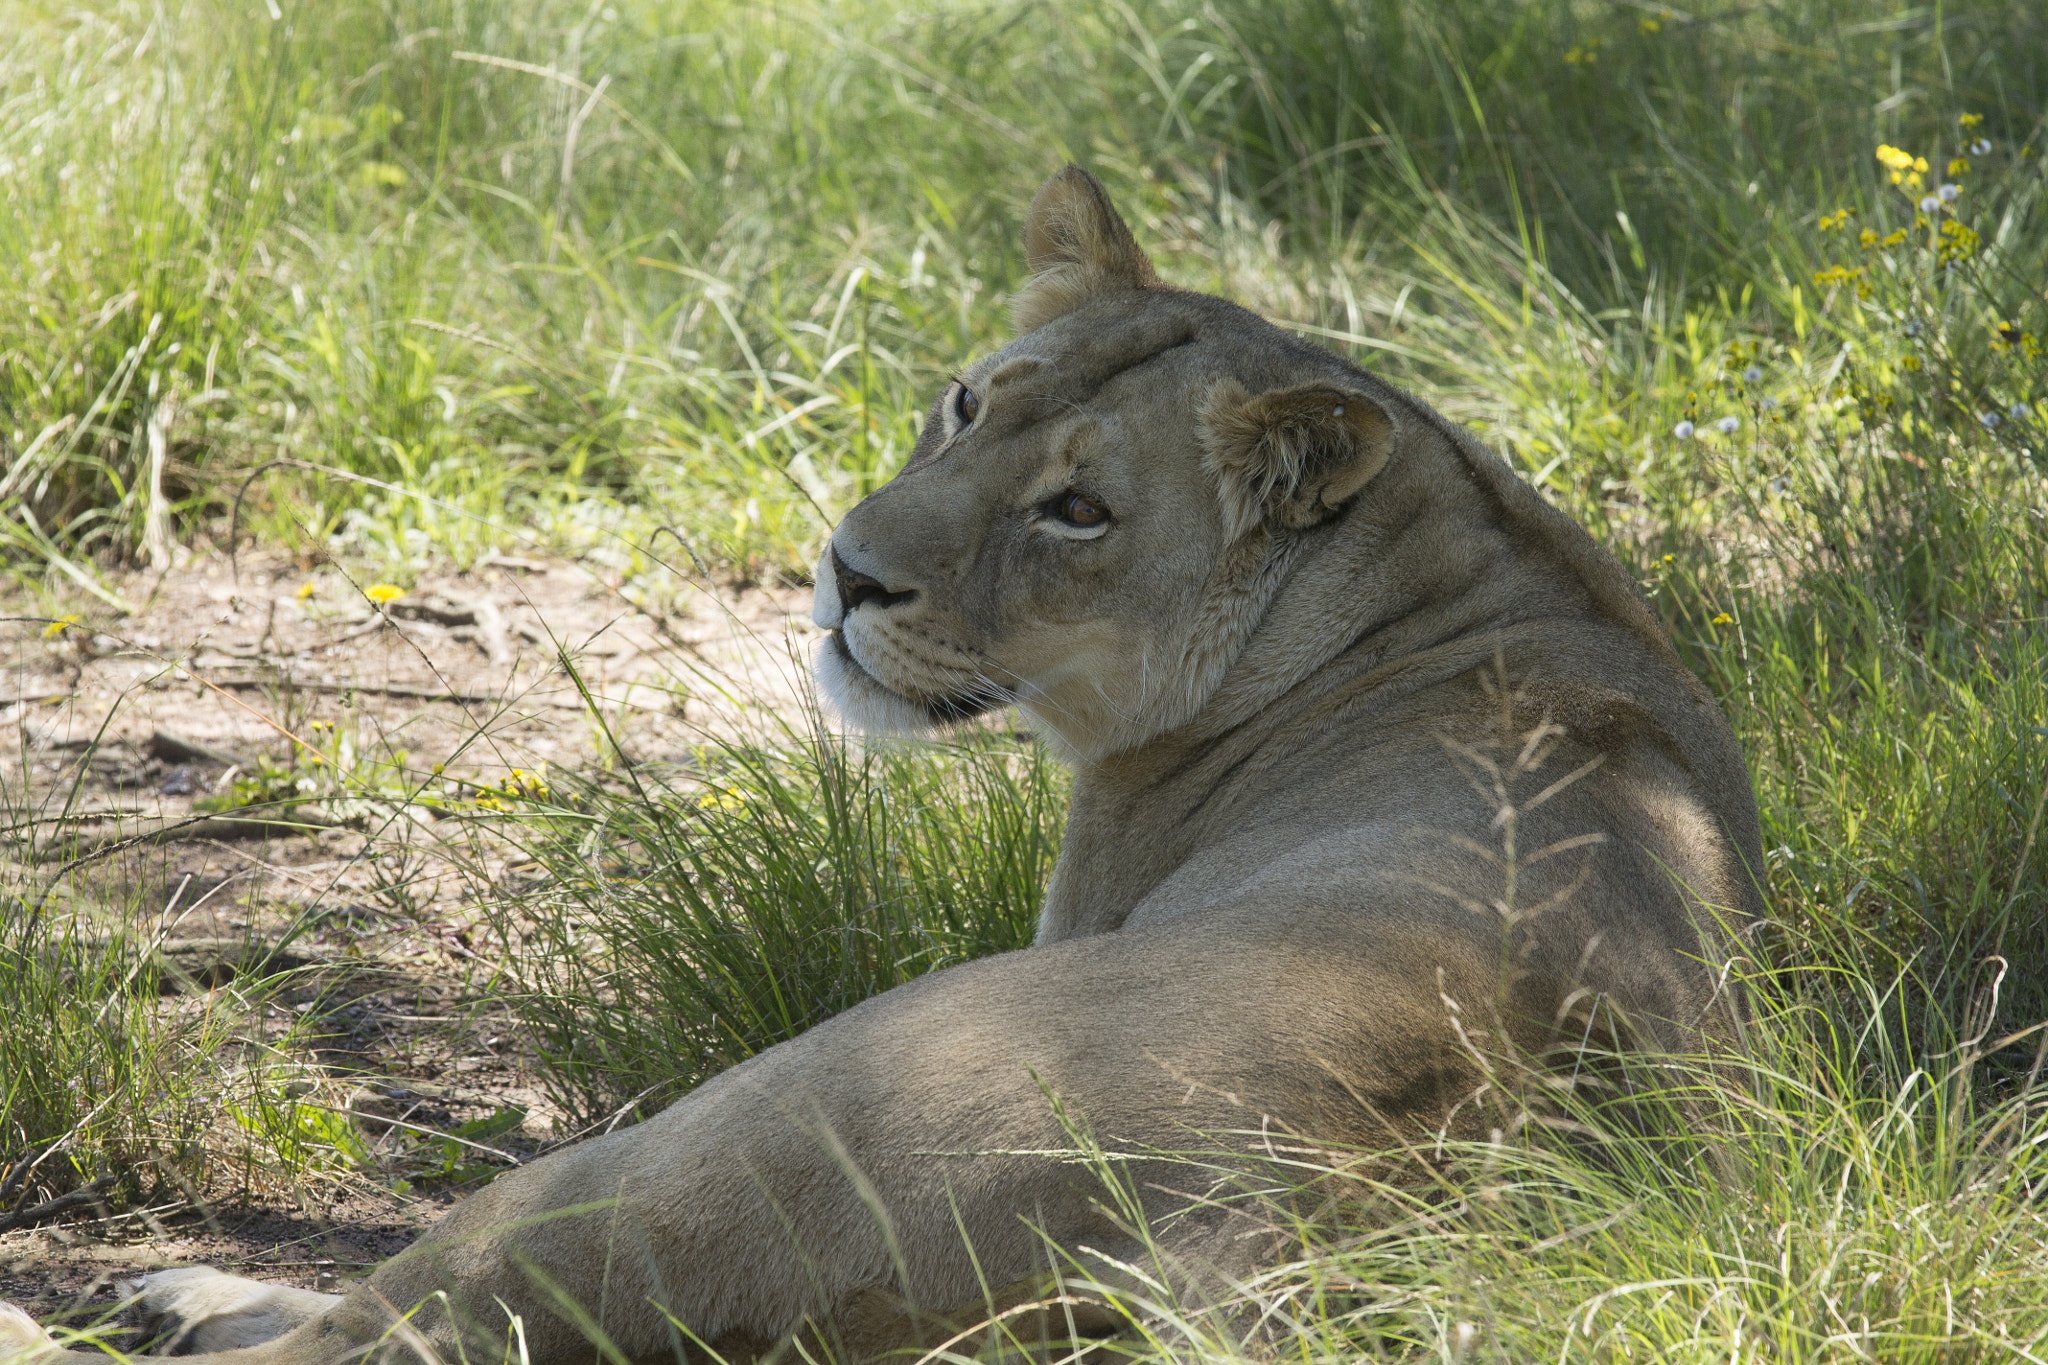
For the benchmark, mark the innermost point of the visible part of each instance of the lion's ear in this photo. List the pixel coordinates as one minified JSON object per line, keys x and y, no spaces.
{"x":1077,"y":247}
{"x":1291,"y":456}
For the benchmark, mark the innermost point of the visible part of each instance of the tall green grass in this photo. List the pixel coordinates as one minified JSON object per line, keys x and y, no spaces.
{"x":701,"y":263}
{"x":1620,"y":143}
{"x":1894,"y":716}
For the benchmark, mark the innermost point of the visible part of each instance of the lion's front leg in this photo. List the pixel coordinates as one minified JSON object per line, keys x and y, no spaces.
{"x":882,"y":1180}
{"x":898,"y":1166}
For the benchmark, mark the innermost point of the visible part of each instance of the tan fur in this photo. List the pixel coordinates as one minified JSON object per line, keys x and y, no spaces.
{"x":1292,"y":456}
{"x":196,"y":1311}
{"x":1327,"y":679}
{"x":22,"y":1340}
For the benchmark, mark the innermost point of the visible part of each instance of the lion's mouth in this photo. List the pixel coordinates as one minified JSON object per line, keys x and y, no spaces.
{"x":947,"y":710}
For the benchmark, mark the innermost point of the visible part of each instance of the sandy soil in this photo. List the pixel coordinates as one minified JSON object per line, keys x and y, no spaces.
{"x":116,"y":726}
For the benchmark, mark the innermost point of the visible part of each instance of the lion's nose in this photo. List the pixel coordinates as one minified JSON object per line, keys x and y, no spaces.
{"x":856,"y":587}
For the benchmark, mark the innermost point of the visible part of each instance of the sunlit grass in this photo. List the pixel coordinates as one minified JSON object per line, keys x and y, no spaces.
{"x":700,"y":265}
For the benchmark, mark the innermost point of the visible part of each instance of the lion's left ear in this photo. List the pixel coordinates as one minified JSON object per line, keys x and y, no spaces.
{"x":1291,"y":456}
{"x":1078,"y":246}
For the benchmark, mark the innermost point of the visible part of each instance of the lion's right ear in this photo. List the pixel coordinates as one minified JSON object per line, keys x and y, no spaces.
{"x":1078,"y":247}
{"x":1290,"y":456}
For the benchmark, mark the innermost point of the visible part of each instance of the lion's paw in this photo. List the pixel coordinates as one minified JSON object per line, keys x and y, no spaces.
{"x":194,"y":1310}
{"x":22,"y":1339}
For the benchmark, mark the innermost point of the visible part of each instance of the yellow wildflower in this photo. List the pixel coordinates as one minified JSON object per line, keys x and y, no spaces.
{"x":306,"y":590}
{"x":1830,"y":221}
{"x":1958,"y":241}
{"x":1906,"y":168}
{"x":524,"y":784}
{"x":381,"y":593}
{"x":732,"y":798}
{"x":1959,"y":165}
{"x":1970,"y":120}
{"x":1649,"y":25}
{"x":1723,"y":619}
{"x":59,"y":626}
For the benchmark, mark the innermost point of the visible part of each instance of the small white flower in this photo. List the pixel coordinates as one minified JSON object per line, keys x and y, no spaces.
{"x":1989,"y":419}
{"x":1913,"y":328}
{"x":1752,"y":374}
{"x":1948,"y":194}
{"x":1727,"y":426}
{"x":1768,"y":402}
{"x":1683,"y":431}
{"x":1980,"y":146}
{"x":1929,"y":203}
{"x":2019,"y":412}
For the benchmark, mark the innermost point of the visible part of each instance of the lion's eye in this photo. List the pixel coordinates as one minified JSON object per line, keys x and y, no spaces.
{"x":966,"y":406}
{"x":1078,"y":509}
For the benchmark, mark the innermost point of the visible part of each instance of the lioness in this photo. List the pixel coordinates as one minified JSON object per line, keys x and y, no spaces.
{"x":1374,"y":752}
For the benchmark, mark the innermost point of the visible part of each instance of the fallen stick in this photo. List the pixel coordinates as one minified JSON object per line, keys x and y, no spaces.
{"x":167,"y":747}
{"x":63,"y":1203}
{"x":415,"y":691}
{"x":195,"y":827}
{"x":420,"y":692}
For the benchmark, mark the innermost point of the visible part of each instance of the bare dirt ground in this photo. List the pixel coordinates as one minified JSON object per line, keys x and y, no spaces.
{"x":115,"y":727}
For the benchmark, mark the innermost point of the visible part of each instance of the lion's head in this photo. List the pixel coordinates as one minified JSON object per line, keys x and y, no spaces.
{"x":1093,"y":516}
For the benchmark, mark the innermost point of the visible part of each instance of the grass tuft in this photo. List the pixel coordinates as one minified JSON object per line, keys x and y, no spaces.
{"x":110,"y":1085}
{"x":677,"y":922}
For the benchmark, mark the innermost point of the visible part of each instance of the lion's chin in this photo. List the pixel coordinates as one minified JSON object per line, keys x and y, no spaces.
{"x":866,"y":704}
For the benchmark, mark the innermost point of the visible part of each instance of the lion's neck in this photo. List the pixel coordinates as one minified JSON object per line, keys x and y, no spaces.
{"x":1408,"y":590}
